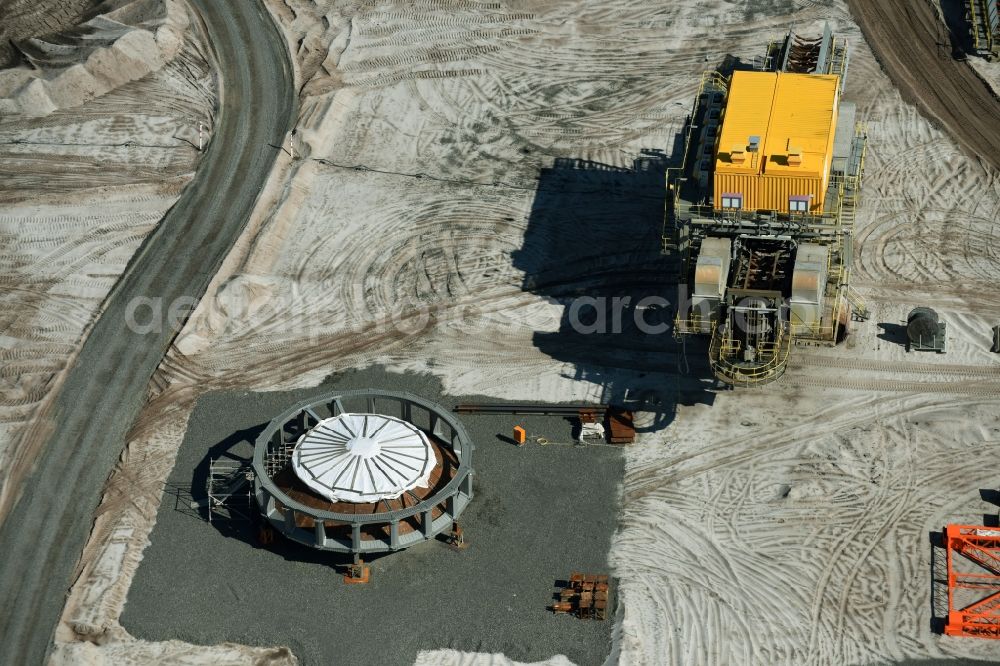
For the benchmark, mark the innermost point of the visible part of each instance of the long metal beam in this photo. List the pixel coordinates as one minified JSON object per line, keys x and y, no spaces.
{"x":515,"y":408}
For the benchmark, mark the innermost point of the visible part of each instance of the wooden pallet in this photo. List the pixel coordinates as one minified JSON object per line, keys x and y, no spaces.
{"x":585,"y":595}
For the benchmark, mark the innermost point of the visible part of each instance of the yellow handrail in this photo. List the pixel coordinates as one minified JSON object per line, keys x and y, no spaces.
{"x":693,"y":325}
{"x":974,"y":21}
{"x":743,"y":376}
{"x":857,"y":302}
{"x":860,"y":132}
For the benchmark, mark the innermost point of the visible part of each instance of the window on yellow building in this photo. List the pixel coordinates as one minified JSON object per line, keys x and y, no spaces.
{"x":798,"y":204}
{"x":730,"y":200}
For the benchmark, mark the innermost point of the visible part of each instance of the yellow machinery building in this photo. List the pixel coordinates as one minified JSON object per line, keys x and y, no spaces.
{"x":762,"y":210}
{"x":776,"y":146}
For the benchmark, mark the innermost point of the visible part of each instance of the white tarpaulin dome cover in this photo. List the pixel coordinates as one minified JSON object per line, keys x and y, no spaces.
{"x":363,"y":458}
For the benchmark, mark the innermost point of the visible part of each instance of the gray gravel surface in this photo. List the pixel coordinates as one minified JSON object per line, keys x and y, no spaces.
{"x":42,"y":538}
{"x":539,"y":512}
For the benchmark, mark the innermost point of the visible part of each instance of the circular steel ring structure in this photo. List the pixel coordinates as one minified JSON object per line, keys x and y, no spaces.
{"x":386,"y":525}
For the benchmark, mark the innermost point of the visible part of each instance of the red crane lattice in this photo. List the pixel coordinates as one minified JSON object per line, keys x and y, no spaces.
{"x":980,"y":545}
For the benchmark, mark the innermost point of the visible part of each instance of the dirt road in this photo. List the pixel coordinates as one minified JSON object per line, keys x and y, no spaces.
{"x":43,"y":536}
{"x":912,"y":45}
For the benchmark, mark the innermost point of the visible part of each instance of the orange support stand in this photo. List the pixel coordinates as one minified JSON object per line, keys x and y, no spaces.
{"x":357,"y":574}
{"x":520,"y":435}
{"x":980,"y":546}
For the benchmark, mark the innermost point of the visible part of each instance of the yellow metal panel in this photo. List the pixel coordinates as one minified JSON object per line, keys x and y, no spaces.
{"x":744,"y":184}
{"x":774,"y":192}
{"x":769,"y":192}
{"x":747,"y":113}
{"x":804,"y":116}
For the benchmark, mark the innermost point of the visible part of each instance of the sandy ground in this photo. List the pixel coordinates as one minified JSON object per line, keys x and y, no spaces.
{"x":57,"y":55}
{"x":790,"y":525}
{"x":82,"y":189}
{"x":989,"y":71}
{"x":913,"y":42}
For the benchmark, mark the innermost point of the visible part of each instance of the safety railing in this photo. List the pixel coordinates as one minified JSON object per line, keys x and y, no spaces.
{"x":980,"y":29}
{"x":668,"y":233}
{"x":835,"y":269}
{"x":838,"y":58}
{"x":858,"y":303}
{"x":824,"y":222}
{"x":713,"y":80}
{"x":745,"y":375}
{"x":860,"y":136}
{"x":729,"y":346}
{"x":974,"y":23}
{"x":693,"y":325}
{"x":802,"y":330}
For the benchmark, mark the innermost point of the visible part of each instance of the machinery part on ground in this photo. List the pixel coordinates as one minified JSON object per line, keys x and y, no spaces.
{"x":996,"y":340}
{"x":520,"y":435}
{"x":616,"y":422}
{"x":265,"y":535}
{"x":924,"y":332}
{"x":456,"y":539}
{"x":591,"y":431}
{"x":969,"y":612}
{"x":585,"y":595}
{"x":328,"y":521}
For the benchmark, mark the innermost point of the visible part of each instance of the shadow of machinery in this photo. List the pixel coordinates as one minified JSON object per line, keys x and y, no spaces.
{"x":991,"y":496}
{"x":894,"y":333}
{"x":593,"y":245}
{"x":938,"y":582}
{"x":955,"y":40}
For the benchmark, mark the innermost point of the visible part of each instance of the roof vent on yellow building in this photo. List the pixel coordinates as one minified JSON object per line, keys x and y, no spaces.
{"x":794,"y":154}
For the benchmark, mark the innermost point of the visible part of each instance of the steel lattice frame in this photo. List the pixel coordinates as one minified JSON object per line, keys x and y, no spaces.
{"x":273,"y":449}
{"x":980,"y":545}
